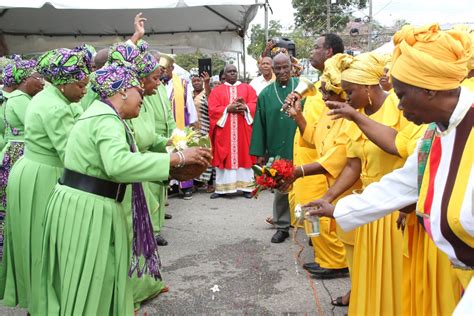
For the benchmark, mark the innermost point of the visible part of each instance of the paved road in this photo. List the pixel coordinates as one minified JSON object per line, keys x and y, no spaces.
{"x":226,"y":243}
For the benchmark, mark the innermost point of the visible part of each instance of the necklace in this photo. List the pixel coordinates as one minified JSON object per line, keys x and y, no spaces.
{"x":276,"y":91}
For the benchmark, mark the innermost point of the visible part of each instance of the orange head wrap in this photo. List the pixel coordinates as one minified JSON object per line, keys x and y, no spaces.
{"x":429,"y":58}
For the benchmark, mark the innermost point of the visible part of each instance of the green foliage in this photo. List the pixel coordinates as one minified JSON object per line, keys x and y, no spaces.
{"x":189,"y":61}
{"x":257,"y":37}
{"x":303,"y":42}
{"x":311,"y":15}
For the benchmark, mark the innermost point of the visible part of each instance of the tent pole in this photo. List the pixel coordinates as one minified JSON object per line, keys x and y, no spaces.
{"x":244,"y":58}
{"x":266,"y":21}
{"x":238,"y":63}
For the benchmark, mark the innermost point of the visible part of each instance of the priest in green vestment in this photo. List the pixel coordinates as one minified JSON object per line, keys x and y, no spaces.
{"x":273,"y":134}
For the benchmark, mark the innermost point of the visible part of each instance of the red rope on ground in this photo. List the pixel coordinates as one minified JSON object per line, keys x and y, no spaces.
{"x":308,"y":275}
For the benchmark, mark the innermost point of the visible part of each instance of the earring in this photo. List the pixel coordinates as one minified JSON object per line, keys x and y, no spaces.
{"x":124,"y":97}
{"x":62,"y":89}
{"x":370,"y":100}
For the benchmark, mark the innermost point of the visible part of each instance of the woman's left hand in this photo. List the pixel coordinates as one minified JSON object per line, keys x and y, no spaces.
{"x":341,"y":110}
{"x":321,"y":208}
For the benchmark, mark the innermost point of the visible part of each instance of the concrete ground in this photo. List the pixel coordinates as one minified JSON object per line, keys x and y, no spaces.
{"x":224,"y":244}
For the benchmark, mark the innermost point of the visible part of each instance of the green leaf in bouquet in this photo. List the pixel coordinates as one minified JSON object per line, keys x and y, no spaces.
{"x":270,"y":162}
{"x":192,"y":143}
{"x":257,"y":170}
{"x":205,"y":142}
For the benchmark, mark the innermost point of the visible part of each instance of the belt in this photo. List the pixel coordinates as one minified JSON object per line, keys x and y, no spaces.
{"x":93,"y":185}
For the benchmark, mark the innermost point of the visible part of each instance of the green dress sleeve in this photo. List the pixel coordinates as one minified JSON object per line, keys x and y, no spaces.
{"x":259,"y":137}
{"x":16,"y":109}
{"x":159,"y":145}
{"x":119,"y":163}
{"x":58,"y":123}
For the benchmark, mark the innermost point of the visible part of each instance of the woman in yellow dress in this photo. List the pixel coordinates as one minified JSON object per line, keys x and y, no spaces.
{"x":423,"y":263}
{"x":328,"y":139}
{"x":377,"y":271}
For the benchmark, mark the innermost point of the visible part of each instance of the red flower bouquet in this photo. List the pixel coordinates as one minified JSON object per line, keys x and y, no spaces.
{"x":269,"y":176}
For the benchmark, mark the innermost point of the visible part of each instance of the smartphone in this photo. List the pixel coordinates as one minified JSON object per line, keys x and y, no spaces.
{"x":205,"y":65}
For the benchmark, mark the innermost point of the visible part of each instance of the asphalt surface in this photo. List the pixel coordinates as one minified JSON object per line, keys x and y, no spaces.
{"x":220,"y":261}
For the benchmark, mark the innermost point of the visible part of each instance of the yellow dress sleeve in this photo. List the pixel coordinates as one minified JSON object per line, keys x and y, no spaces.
{"x":334,"y":160}
{"x":312,"y":112}
{"x":407,"y":138}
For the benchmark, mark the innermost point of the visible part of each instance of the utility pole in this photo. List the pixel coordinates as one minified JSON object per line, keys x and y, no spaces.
{"x":328,"y":16}
{"x":266,"y":21}
{"x":369,"y":29}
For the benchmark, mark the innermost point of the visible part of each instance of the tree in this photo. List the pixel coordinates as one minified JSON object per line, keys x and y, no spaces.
{"x":303,"y":42}
{"x":189,"y":61}
{"x":311,"y":15}
{"x":257,"y":37}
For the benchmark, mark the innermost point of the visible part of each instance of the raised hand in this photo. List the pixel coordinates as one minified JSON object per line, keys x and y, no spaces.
{"x":139,"y":25}
{"x":205,"y":76}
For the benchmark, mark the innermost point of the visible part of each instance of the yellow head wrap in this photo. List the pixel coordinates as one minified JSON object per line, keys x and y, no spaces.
{"x":365,"y":69}
{"x":470,"y":31}
{"x":429,"y":58}
{"x":332,"y":72}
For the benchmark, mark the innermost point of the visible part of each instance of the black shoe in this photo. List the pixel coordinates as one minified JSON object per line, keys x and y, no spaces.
{"x":160,"y":241}
{"x":323,"y":273}
{"x":311,"y":266}
{"x":280,"y":236}
{"x":310,"y":242}
{"x":216,"y":196}
{"x":168,"y":216}
{"x":173,"y":190}
{"x":248,"y":195}
{"x":188,"y":195}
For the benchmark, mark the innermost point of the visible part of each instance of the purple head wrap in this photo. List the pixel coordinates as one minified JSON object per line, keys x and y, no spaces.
{"x":18,"y":70}
{"x":110,"y":79}
{"x":63,"y":66}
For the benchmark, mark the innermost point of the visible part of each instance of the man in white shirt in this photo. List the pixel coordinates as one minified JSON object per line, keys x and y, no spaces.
{"x":266,"y":77}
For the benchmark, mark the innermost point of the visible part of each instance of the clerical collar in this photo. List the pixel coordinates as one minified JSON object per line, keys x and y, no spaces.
{"x":463,"y":105}
{"x":232,"y":85}
{"x":289,"y":82}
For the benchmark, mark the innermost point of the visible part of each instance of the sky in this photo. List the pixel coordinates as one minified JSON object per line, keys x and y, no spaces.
{"x":416,"y":12}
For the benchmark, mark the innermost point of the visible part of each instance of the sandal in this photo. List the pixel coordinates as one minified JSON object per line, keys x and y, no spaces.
{"x":338,"y":302}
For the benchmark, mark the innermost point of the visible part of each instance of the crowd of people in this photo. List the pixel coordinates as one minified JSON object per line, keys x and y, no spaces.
{"x":382,"y":154}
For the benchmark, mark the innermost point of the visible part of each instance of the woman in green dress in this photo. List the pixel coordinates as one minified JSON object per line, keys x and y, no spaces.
{"x":48,"y":121}
{"x":146,"y":139}
{"x":9,"y":86}
{"x":86,"y":255}
{"x":21,"y":73}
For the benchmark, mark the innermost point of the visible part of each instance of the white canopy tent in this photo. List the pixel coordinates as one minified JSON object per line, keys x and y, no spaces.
{"x":173,"y":26}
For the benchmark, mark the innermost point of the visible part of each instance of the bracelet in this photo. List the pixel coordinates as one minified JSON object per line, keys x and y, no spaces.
{"x":302,"y":171}
{"x":182,"y":160}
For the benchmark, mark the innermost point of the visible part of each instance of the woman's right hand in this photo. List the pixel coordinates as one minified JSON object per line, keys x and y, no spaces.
{"x":341,"y":110}
{"x":197,"y":155}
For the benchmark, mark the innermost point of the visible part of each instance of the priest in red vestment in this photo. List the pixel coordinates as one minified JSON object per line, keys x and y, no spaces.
{"x":231,"y":110}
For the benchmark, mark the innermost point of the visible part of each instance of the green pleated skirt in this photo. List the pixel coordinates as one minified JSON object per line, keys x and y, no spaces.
{"x":29,"y":186}
{"x":86,"y":256}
